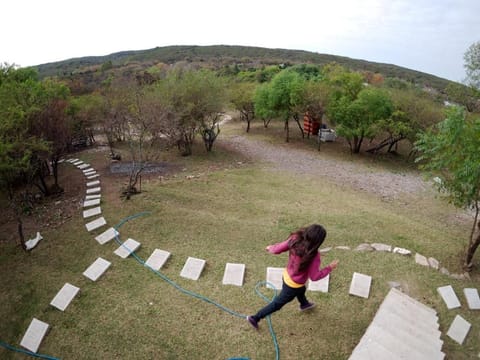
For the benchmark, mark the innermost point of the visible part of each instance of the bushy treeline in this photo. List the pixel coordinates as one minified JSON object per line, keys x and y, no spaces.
{"x":39,"y":123}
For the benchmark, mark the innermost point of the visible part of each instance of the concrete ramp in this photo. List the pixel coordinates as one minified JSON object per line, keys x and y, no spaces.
{"x":402,"y":328}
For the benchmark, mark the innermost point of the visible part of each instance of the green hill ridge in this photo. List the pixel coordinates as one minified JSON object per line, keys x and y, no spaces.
{"x":222,"y":55}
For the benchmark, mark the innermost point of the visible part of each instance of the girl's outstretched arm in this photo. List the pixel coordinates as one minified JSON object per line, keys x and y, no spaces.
{"x":334,"y":264}
{"x":277,"y":248}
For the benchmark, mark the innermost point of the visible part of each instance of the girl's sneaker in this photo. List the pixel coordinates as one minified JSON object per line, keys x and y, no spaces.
{"x":307,"y":306}
{"x":252,"y":322}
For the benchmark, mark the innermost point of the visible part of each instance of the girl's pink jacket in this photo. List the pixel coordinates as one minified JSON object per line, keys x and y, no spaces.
{"x":313,"y":271}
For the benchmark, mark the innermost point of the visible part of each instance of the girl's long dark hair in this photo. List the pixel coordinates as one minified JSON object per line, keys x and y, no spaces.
{"x":305,"y":243}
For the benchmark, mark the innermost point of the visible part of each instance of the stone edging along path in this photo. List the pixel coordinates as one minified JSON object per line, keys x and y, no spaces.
{"x":38,"y":329}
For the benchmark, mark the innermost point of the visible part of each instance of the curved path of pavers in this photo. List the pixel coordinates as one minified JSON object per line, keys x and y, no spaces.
{"x":234,"y":275}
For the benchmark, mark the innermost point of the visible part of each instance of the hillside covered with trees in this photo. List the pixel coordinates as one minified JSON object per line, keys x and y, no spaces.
{"x":220,"y":56}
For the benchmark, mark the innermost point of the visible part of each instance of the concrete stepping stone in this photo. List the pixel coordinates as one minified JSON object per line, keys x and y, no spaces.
{"x":106,"y":236}
{"x":89,"y":173}
{"x":78,"y":162}
{"x":275,"y":278}
{"x":92,"y":202}
{"x":449,"y":297}
{"x":92,"y":212}
{"x":93,"y":196}
{"x":93,"y":183}
{"x":95,"y":224}
{"x":72,"y":160}
{"x":234,"y":274}
{"x":127,"y":248}
{"x":459,"y":329}
{"x":88,"y":170}
{"x":97,"y":269}
{"x":83,"y":166}
{"x":90,"y":177}
{"x":157,"y":259}
{"x":319,"y":285}
{"x":193,"y":268}
{"x":65,"y":296}
{"x":360,"y":285}
{"x":473,"y":300}
{"x":34,"y":335}
{"x":94,"y":190}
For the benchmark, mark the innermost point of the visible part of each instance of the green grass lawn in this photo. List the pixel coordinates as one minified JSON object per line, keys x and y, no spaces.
{"x":228,"y":212}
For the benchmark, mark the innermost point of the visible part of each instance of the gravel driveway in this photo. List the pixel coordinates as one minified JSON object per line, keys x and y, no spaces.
{"x":287,"y":158}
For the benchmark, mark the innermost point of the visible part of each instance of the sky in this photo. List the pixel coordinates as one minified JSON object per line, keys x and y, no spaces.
{"x":425,"y":35}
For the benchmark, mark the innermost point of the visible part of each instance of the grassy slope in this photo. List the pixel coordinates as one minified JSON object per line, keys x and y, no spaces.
{"x":226,"y":214}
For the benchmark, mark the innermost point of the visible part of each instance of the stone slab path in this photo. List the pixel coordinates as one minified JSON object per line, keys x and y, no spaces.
{"x":91,"y":202}
{"x":274,"y":277}
{"x":360,"y":285}
{"x":449,"y":297}
{"x":128,"y":247}
{"x":34,"y":335}
{"x":93,"y":183}
{"x":473,"y":300}
{"x":97,"y":269}
{"x":65,"y":296}
{"x":459,"y":329}
{"x":319,"y":285}
{"x":234,"y":274}
{"x":157,"y":259}
{"x":95,"y":224}
{"x":93,"y":197}
{"x":193,"y":268}
{"x":92,"y":212}
{"x":106,"y":236}
{"x":94,"y":190}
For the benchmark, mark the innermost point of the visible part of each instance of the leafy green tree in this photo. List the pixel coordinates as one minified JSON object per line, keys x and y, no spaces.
{"x":19,"y":94}
{"x":360,"y":118}
{"x":343,"y":83}
{"x":472,"y":65}
{"x":464,"y":95}
{"x":194,"y":99}
{"x":412,"y":113}
{"x":282,"y":98}
{"x":52,"y":125}
{"x":242,"y":98}
{"x":450,"y":152}
{"x":261,"y":103}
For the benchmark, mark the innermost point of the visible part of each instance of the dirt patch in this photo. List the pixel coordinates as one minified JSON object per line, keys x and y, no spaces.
{"x":48,"y":213}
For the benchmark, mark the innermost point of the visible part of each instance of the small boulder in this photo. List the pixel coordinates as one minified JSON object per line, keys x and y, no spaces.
{"x":402,"y":251}
{"x":382,"y":247}
{"x":364,"y":247}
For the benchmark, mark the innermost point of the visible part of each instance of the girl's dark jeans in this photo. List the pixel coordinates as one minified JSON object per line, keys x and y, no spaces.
{"x":286,"y":295}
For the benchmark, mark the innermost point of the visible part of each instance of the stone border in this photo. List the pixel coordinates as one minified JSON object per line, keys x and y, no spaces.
{"x":419,"y":259}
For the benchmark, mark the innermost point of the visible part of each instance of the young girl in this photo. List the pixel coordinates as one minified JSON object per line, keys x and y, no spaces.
{"x":303,"y":264}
